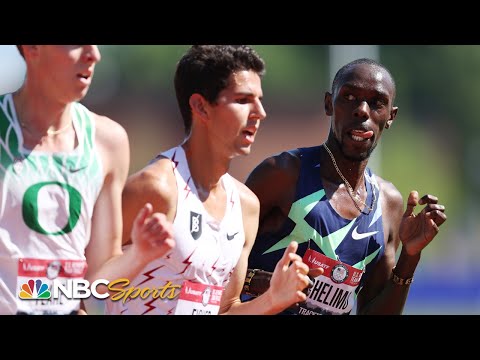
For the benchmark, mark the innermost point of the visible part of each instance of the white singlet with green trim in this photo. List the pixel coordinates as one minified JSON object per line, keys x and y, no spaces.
{"x":46,"y":206}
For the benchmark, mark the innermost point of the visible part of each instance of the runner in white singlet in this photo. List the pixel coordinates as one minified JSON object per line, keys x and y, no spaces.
{"x":62,"y":170}
{"x":215,"y":217}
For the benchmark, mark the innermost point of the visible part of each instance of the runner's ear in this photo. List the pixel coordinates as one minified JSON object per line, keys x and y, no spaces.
{"x":197,"y":104}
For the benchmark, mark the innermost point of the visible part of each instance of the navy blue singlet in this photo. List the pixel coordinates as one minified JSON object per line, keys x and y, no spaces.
{"x":314,"y":224}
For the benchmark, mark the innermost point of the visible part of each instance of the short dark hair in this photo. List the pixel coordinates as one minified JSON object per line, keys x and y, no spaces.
{"x":205,"y":69}
{"x":363,"y":61}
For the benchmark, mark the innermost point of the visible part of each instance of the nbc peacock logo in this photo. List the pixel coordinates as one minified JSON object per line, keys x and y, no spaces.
{"x":34,"y":289}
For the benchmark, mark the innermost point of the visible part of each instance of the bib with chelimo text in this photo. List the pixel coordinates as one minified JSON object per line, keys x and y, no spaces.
{"x":333,"y":292}
{"x":34,"y":285}
{"x":199,"y":299}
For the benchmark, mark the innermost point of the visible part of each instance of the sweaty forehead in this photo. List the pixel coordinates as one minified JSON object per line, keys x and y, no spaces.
{"x":368,"y":77}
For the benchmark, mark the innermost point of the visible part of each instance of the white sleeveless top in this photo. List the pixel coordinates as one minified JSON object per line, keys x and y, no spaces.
{"x":206,"y":250}
{"x":46,"y":206}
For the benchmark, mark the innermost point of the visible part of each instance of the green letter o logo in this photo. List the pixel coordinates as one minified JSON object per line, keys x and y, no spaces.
{"x":30,"y":208}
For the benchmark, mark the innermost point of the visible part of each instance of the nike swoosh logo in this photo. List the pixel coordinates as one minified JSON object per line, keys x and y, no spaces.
{"x":357,"y":236}
{"x":231,"y":237}
{"x":74,"y":170}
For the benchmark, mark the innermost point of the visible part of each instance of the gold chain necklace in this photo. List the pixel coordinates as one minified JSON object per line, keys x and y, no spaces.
{"x":355,"y":197}
{"x":49,"y":132}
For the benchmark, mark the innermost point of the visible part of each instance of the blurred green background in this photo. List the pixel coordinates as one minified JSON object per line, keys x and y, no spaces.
{"x":432,"y":146}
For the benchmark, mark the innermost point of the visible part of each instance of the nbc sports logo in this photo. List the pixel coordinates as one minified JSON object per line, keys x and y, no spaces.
{"x":71,"y":289}
{"x":77,"y":288}
{"x":33,"y":290}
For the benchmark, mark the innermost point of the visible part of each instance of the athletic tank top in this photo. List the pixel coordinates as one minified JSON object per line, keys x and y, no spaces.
{"x":46,"y":205}
{"x":206,"y":250}
{"x":346,"y":249}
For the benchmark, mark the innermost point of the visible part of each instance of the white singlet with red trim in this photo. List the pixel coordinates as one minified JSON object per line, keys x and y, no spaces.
{"x":206,"y":250}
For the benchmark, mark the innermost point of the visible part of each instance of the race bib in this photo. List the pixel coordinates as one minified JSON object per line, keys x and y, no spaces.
{"x":199,"y":299}
{"x":333,"y":292}
{"x":34,"y":285}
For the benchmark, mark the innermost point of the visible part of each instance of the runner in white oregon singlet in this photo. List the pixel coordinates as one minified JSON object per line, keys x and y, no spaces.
{"x":206,"y":253}
{"x":46,"y":205}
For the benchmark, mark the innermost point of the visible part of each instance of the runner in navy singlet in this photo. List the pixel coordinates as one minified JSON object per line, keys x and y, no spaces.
{"x":345,"y":219}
